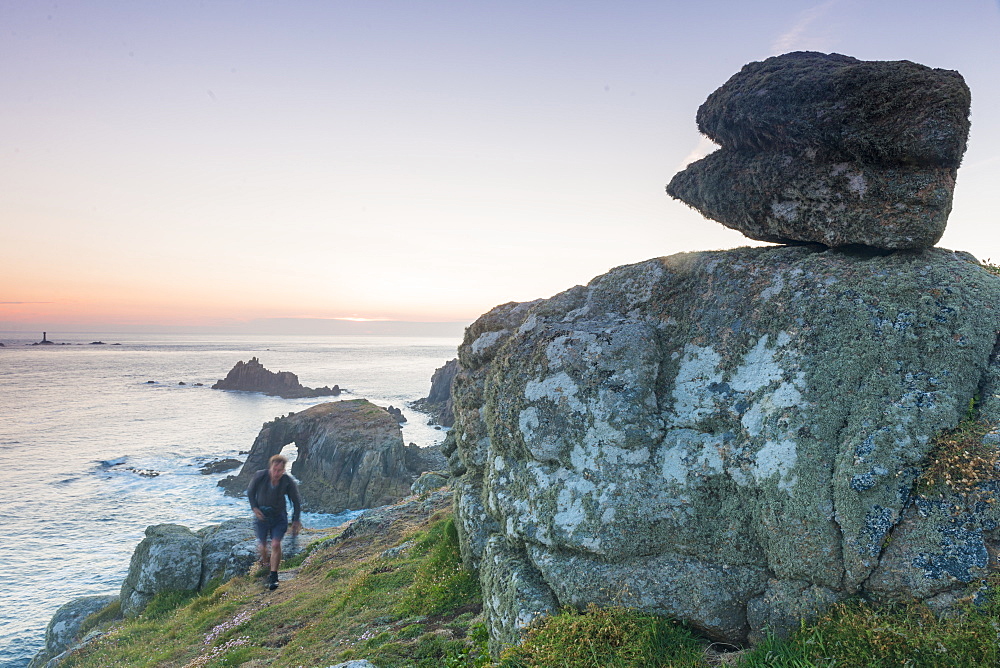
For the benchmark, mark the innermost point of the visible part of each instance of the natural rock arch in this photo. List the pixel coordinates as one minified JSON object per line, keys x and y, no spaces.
{"x":350,"y":455}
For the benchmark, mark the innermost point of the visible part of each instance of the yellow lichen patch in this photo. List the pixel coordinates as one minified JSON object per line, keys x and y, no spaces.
{"x":960,"y":462}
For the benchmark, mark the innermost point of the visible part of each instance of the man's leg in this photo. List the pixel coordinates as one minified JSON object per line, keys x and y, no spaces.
{"x":275,"y":555}
{"x":262,"y":553}
{"x":277,"y":533}
{"x":262,"y":531}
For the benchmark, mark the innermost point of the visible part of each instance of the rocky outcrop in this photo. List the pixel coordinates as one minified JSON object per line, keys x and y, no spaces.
{"x":63,"y":630}
{"x":172,"y":557}
{"x":429,"y":481}
{"x":227,"y":549}
{"x":396,"y":413}
{"x":220,"y":466}
{"x":253,"y":377}
{"x":737,"y":439}
{"x":350,"y":456}
{"x":168,"y":558}
{"x":731,"y":438}
{"x":438,"y":403}
{"x":825,"y":148}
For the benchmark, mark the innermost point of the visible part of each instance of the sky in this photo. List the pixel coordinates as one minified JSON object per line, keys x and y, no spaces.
{"x":219,"y":163}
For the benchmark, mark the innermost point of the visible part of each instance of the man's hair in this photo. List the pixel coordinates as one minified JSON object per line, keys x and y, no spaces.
{"x":277,"y":458}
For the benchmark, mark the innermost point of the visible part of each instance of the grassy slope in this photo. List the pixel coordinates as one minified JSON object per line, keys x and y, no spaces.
{"x":346,"y":601}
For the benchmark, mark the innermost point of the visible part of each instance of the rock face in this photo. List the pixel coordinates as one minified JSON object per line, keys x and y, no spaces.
{"x":825,"y":148}
{"x":253,"y":377}
{"x":224,"y":550}
{"x":438,"y":402}
{"x":172,"y":556}
{"x":731,"y":438}
{"x":168,"y":558}
{"x":350,"y":456}
{"x":64,"y":627}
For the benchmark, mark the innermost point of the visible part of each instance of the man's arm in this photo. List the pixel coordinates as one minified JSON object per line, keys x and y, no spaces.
{"x":293,"y":495}
{"x":252,"y":495}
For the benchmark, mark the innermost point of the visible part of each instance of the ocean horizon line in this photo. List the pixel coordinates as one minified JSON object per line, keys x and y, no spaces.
{"x":263,"y":327}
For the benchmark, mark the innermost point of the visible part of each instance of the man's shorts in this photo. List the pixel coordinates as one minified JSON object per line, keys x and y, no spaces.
{"x":270,"y":527}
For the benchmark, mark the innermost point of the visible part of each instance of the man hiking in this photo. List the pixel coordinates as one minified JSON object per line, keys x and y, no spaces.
{"x":267,"y":491}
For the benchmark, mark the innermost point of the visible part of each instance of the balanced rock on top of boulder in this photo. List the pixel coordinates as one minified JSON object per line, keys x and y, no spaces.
{"x":825,"y":148}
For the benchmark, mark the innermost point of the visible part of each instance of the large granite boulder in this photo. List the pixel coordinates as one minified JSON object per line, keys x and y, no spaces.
{"x":64,"y":627}
{"x":253,"y":377}
{"x":167,"y":559}
{"x":219,"y":545}
{"x":825,"y":148}
{"x":438,"y":402}
{"x":730,"y":438}
{"x":350,"y":456}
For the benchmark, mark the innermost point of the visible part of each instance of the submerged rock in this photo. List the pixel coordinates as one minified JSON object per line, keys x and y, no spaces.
{"x":730,"y":438}
{"x":220,"y":466}
{"x":825,"y":148}
{"x":253,"y":377}
{"x":350,"y":456}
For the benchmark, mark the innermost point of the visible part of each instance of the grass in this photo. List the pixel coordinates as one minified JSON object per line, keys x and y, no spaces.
{"x":990,"y":267}
{"x":606,"y":638}
{"x":420,"y":609}
{"x":859,"y":634}
{"x":417,"y":609}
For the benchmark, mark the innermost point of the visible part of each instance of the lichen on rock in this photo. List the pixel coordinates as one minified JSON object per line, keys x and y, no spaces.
{"x":825,"y":148}
{"x":728,"y":437}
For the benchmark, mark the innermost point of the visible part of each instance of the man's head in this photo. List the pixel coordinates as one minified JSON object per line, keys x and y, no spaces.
{"x":276,"y":465}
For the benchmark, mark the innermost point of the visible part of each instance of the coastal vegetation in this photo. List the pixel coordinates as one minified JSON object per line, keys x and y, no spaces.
{"x":962,"y":461}
{"x":400,"y":597}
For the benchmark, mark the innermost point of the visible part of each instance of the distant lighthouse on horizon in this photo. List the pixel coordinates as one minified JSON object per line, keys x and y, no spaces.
{"x":45,"y":340}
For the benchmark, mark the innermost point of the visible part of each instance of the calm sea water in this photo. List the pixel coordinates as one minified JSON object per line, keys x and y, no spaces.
{"x":75,"y":418}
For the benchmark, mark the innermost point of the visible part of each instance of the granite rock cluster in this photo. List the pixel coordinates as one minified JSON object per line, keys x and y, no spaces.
{"x":828,"y":149}
{"x":169,"y":557}
{"x":736,"y":438}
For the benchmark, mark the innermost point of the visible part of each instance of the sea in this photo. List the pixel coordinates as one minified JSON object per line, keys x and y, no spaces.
{"x":100,"y":440}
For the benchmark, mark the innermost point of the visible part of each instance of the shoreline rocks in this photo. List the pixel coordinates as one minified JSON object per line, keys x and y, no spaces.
{"x":253,"y":377}
{"x":64,"y":627}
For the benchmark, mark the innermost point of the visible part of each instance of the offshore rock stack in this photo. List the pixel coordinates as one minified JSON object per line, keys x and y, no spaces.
{"x":253,"y":377}
{"x":825,"y":148}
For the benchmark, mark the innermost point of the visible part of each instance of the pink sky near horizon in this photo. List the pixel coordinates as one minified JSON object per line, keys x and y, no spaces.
{"x":200,"y":164}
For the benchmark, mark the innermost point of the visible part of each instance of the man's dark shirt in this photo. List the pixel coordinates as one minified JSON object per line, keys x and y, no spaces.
{"x":263,"y":495}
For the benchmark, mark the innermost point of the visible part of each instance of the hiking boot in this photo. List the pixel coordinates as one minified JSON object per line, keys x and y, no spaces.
{"x":272,"y":580}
